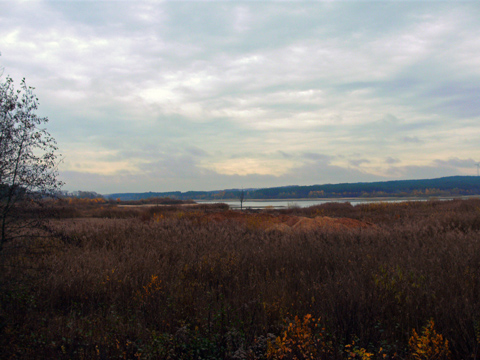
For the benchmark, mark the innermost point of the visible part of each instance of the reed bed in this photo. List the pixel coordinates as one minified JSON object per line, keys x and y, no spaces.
{"x":175,"y":284}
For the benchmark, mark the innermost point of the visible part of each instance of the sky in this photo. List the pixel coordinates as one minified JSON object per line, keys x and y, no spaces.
{"x":206,"y":95}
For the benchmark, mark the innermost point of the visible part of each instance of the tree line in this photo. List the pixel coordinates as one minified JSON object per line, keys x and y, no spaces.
{"x":445,"y":186}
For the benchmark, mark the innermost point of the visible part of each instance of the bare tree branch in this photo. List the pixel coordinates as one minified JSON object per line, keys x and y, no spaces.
{"x":28,"y":159}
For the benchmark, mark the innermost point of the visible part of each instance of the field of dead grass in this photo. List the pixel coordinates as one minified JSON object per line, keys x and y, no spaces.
{"x":335,"y":281}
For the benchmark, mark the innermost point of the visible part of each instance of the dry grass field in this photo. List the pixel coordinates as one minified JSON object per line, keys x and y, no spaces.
{"x":374,"y":281}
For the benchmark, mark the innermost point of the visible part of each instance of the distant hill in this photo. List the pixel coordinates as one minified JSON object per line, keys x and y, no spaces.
{"x":445,"y":186}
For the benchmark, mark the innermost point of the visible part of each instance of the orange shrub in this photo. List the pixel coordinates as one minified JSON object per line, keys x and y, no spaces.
{"x":429,"y":344}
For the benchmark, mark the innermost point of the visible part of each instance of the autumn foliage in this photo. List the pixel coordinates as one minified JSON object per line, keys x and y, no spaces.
{"x":373,"y":281}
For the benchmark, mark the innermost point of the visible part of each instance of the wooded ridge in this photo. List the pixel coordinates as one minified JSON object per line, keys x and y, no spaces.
{"x":445,"y":186}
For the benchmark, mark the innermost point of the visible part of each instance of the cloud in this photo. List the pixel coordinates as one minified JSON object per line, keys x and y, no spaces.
{"x":437,"y":168}
{"x":411,"y":140}
{"x":358,"y":162}
{"x":456,"y":163}
{"x":249,"y":166}
{"x":195,"y":151}
{"x":390,"y":160}
{"x":321,"y":158}
{"x":264,"y":93}
{"x":176,"y":172}
{"x":284,"y":154}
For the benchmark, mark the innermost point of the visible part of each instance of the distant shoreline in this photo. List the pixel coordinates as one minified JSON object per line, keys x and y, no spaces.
{"x":441,"y":188}
{"x":235,"y":203}
{"x":345,"y":199}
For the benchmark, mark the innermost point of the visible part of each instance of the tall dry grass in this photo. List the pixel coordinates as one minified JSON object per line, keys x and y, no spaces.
{"x":179,"y":285}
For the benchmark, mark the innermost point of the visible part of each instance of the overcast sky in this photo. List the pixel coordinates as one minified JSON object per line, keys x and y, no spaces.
{"x":204,"y":95}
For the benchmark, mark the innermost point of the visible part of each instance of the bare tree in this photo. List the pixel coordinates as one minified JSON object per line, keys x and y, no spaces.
{"x":241,"y":197}
{"x":28,"y":159}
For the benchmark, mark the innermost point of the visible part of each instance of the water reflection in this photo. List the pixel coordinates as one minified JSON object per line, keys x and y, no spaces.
{"x":280,"y":204}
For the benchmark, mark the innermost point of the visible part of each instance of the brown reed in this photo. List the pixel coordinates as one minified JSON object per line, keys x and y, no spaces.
{"x":133,"y":284}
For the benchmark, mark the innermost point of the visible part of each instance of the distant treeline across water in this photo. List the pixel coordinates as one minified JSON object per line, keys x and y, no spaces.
{"x":453,"y":186}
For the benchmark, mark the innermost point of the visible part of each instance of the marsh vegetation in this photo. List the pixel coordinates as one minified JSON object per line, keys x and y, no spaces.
{"x":203,"y":282}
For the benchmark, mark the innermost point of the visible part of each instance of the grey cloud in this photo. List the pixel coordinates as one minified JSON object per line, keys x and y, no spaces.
{"x":358,"y":162}
{"x":393,"y":124}
{"x":456,"y":98}
{"x":317,"y":77}
{"x":432,"y":95}
{"x":411,"y":140}
{"x":321,"y":173}
{"x":76,"y":180}
{"x":177,"y":173}
{"x":425,"y":172}
{"x":242,"y":154}
{"x":389,"y":120}
{"x":284,"y":154}
{"x":437,"y":168}
{"x":173,"y":173}
{"x":390,"y":160}
{"x":456,"y":163}
{"x":418,"y":172}
{"x":195,"y":151}
{"x":382,"y":132}
{"x":321,"y":158}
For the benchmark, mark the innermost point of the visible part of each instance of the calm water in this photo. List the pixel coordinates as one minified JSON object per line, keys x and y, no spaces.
{"x":260,"y":204}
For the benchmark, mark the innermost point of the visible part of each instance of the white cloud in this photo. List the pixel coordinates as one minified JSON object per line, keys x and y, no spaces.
{"x":249,"y":166}
{"x":213,"y":93}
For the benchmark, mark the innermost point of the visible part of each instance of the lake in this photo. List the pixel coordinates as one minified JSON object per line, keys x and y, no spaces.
{"x":285,"y":203}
